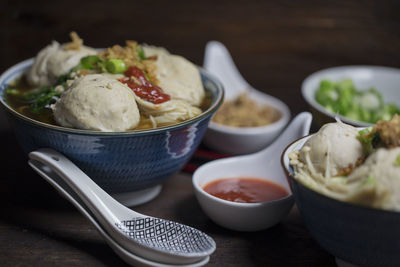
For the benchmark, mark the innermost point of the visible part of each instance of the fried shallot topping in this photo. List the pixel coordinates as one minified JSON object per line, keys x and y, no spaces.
{"x":75,"y":43}
{"x":389,"y":131}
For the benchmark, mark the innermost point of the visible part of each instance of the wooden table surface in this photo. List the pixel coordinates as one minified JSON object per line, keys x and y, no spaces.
{"x":275,"y":45}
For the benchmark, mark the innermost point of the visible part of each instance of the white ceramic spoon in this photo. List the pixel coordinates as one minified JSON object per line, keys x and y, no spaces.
{"x":218,"y":61}
{"x":151,"y":238}
{"x":132,"y":259}
{"x":239,"y":140}
{"x":265,"y":163}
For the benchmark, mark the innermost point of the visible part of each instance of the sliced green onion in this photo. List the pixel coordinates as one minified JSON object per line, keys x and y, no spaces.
{"x":369,"y":181}
{"x":397,"y":160}
{"x":326,"y":94}
{"x":140,"y":52}
{"x":89,"y":62}
{"x":362,"y":105}
{"x":116,"y":66}
{"x":12,"y":91}
{"x":34,"y":94}
{"x":44,"y":100}
{"x":364,"y":135}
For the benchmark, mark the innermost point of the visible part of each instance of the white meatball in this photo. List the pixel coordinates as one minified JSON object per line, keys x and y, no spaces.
{"x":382,"y":167}
{"x":53,"y":61}
{"x":177,"y":76}
{"x":334,"y":147}
{"x":96,"y":102}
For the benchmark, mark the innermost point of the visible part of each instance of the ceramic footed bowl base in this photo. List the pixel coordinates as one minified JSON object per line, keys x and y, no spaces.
{"x":135,"y":198}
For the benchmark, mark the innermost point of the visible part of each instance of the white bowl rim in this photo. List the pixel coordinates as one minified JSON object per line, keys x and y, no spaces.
{"x":18,"y":69}
{"x":196,"y":179}
{"x":312,"y":102}
{"x":270,"y":100}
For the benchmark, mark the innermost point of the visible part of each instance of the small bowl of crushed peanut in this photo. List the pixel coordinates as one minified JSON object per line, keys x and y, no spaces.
{"x":247,"y":123}
{"x":248,"y":120}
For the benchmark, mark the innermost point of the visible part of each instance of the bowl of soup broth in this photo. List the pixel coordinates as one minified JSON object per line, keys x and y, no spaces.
{"x":123,"y":147}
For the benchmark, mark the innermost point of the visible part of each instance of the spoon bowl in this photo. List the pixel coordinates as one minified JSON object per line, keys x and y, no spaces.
{"x":239,"y":140}
{"x":152,"y":238}
{"x":264,"y":164}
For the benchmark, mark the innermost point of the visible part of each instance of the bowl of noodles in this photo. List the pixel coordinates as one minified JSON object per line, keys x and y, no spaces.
{"x":128,"y":116}
{"x":345,"y":181}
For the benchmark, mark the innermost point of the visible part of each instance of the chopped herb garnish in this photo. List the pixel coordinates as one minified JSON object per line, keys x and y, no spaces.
{"x":397,"y":160}
{"x":140,"y":52}
{"x":89,"y":62}
{"x":42,"y":100}
{"x":369,"y":181}
{"x":12,"y":91}
{"x":362,"y":105}
{"x":116,"y":66}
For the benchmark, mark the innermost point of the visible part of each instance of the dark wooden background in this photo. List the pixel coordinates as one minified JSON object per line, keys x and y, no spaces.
{"x":275,"y":45}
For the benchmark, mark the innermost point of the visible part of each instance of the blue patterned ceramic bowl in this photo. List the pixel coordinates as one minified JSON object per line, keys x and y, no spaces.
{"x":118,"y":162}
{"x":354,"y":234}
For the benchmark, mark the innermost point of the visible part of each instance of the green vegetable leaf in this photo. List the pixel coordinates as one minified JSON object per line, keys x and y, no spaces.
{"x":371,"y":100}
{"x":345,"y":85}
{"x":12,"y":91}
{"x":326,"y":95}
{"x":63,"y":79}
{"x":34,"y":94}
{"x":376,"y":140}
{"x":89,"y":62}
{"x":362,"y":105}
{"x":345,"y":99}
{"x":369,"y":181}
{"x":388,"y":111}
{"x":369,"y":140}
{"x":397,"y":160}
{"x":140,"y":52}
{"x":47,"y":96}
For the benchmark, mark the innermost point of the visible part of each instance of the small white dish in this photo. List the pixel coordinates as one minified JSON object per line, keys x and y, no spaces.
{"x":239,"y":140}
{"x":264,"y":164}
{"x":384,"y":79}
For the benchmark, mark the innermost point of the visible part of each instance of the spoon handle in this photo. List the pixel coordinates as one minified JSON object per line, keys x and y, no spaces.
{"x":218,"y":60}
{"x":100,"y":203}
{"x":298,"y":127}
{"x":52,"y":178}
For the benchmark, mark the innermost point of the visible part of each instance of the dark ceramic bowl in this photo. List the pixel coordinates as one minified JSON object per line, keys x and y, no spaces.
{"x":355,"y":234}
{"x":117,"y":161}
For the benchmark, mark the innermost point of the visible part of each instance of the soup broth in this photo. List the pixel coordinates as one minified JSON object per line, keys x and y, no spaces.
{"x":46,"y":115}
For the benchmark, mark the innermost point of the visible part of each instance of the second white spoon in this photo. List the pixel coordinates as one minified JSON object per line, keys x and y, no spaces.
{"x":152,"y":238}
{"x":130,"y":258}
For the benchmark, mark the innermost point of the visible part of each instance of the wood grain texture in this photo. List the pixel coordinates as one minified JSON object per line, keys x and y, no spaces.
{"x":40,"y":228}
{"x":275,"y":45}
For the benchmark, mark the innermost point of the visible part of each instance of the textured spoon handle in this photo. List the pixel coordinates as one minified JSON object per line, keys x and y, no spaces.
{"x":52,"y":178}
{"x":152,"y":238}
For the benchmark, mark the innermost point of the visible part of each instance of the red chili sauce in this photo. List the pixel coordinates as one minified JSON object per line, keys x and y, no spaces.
{"x":246,"y":190}
{"x":143,"y":88}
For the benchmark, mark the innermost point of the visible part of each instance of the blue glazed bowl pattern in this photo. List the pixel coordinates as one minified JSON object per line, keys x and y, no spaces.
{"x":118,"y":162}
{"x":359,"y":235}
